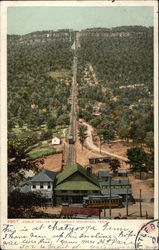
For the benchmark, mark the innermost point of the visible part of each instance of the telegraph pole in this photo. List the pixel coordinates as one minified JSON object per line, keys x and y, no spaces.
{"x":127,"y":202}
{"x":110,"y":207}
{"x":140,"y":204}
{"x":105,"y":209}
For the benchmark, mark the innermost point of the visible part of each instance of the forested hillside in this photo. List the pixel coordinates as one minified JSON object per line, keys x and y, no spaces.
{"x":39,"y":79}
{"x":115,"y":81}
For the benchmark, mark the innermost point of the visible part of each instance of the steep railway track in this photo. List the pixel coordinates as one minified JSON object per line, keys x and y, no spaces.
{"x":72,"y":118}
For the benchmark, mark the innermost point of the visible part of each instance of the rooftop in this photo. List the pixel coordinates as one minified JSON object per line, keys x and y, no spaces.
{"x":73,"y":169}
{"x":118,"y":191}
{"x":67,"y":211}
{"x":114,"y":182}
{"x":102,"y":174}
{"x":44,"y":176}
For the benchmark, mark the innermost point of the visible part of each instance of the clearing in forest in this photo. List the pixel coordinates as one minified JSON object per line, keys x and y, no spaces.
{"x":63,"y":73}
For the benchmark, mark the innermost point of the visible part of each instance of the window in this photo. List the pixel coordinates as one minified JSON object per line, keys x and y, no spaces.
{"x":49,"y":186}
{"x":95,"y":192}
{"x":83,"y":191}
{"x":33,"y":186}
{"x":41,"y":186}
{"x":63,"y":191}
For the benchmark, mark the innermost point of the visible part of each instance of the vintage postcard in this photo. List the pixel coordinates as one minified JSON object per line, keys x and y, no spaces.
{"x":79,"y":125}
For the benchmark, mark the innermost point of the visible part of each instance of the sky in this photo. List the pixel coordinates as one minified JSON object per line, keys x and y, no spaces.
{"x":23,"y":20}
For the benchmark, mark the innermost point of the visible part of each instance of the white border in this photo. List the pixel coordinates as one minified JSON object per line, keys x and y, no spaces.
{"x":156,"y":172}
{"x":81,"y":3}
{"x":3,"y":87}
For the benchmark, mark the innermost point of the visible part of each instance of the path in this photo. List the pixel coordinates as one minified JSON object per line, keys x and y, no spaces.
{"x":92,"y":146}
{"x":93,"y":73}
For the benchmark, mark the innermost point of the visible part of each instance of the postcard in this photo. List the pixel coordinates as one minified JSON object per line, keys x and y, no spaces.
{"x":79,"y":125}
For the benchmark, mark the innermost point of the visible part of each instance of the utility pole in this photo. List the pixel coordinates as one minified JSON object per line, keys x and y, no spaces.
{"x":140,"y":204}
{"x":127,"y":202}
{"x":110,"y":197}
{"x":105,"y":209}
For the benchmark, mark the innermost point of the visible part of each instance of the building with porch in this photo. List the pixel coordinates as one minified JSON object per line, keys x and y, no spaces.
{"x":44,"y":183}
{"x":117,"y":187}
{"x":74,"y":183}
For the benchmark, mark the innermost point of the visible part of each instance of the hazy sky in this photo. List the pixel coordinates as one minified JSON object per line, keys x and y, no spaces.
{"x":22,"y":20}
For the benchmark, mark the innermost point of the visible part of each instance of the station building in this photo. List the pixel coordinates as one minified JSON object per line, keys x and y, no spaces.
{"x":74,"y":183}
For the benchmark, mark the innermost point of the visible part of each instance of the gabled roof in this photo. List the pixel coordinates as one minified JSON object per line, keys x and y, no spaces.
{"x":56,"y":136}
{"x":44,"y":176}
{"x":73,"y":169}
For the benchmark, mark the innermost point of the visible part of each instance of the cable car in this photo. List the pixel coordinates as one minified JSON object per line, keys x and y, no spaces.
{"x":71,"y":139}
{"x":102,"y":201}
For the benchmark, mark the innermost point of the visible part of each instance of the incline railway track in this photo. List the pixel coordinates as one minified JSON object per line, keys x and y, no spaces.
{"x":73,"y":116}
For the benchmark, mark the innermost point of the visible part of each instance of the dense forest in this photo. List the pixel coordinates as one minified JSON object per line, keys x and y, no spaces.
{"x":39,"y":80}
{"x":115,"y":80}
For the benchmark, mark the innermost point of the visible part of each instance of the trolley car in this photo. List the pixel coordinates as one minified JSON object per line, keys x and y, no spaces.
{"x":102,"y":201}
{"x":71,"y":139}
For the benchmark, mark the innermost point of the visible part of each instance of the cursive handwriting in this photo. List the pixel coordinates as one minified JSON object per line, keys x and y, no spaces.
{"x":67,"y":235}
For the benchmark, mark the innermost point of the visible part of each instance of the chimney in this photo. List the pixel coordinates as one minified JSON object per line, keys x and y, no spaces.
{"x":89,"y":171}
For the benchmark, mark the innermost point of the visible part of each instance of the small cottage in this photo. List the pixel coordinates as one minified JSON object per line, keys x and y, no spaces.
{"x":56,"y":140}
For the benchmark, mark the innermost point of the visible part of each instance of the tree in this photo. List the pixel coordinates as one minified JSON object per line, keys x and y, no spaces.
{"x":138,"y":160}
{"x":45,"y":135}
{"x":51,"y":122}
{"x":149,"y":140}
{"x":82,"y":134}
{"x":108,"y":135}
{"x":27,"y":200}
{"x":21,"y":205}
{"x":150,"y":162}
{"x":18,"y":161}
{"x":114,"y":165}
{"x":101,"y":139}
{"x":63,"y":119}
{"x":124,"y":132}
{"x":137,"y":131}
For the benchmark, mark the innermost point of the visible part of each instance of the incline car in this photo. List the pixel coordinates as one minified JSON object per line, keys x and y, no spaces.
{"x":71,"y":139}
{"x":101,"y":201}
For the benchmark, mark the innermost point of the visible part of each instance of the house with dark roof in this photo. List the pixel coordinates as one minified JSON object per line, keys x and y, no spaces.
{"x":44,"y":182}
{"x":74,"y":183}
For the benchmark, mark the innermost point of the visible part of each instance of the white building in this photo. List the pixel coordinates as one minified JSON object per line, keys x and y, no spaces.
{"x":43,"y":182}
{"x":56,"y":140}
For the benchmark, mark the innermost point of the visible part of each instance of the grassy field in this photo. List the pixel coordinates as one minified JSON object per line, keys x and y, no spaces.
{"x":59,"y":74}
{"x":25,"y":131}
{"x":41,"y":151}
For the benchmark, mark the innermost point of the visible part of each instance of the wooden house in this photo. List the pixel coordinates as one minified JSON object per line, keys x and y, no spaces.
{"x":44,"y":183}
{"x":56,"y":140}
{"x":74,"y":183}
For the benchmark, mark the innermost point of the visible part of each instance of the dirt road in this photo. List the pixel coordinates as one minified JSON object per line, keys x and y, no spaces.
{"x":90,"y":144}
